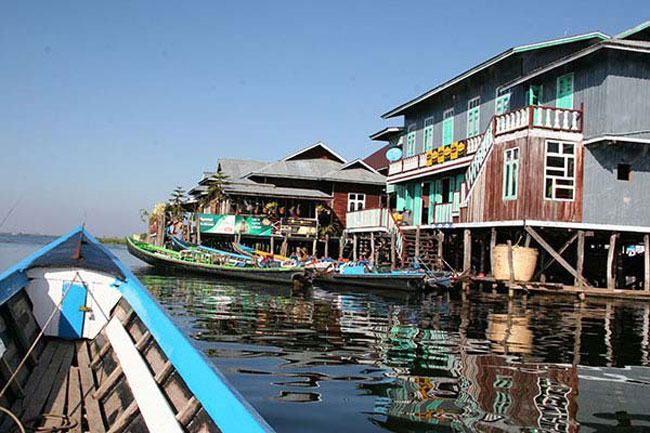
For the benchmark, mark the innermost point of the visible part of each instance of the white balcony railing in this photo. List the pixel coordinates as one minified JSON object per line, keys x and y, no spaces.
{"x":367,"y":218}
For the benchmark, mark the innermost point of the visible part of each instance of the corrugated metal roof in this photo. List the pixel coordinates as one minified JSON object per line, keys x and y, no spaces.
{"x":275,"y":191}
{"x":299,"y":169}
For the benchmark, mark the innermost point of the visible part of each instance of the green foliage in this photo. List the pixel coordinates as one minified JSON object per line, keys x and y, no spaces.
{"x":216,"y":186}
{"x":176,"y":201}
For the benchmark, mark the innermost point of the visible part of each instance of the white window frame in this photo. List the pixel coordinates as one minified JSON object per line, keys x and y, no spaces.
{"x":514,"y":179}
{"x":474,"y":103}
{"x":428,"y":123}
{"x":411,"y":144}
{"x":566,"y":157}
{"x":502,"y":95}
{"x":356,"y":198}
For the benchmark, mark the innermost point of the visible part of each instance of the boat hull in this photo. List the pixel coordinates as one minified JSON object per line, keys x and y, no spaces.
{"x":251,"y":274}
{"x":403,"y":282}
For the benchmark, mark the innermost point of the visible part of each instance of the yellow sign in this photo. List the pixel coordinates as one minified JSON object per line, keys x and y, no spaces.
{"x":446,"y":153}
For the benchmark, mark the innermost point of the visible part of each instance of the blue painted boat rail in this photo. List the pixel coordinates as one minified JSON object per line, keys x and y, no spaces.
{"x":186,"y":245}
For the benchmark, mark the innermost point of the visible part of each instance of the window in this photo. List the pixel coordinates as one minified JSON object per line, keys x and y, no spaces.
{"x":502,"y":104}
{"x":446,"y":190}
{"x":564,"y":91}
{"x":410,"y":140}
{"x":623,"y":172}
{"x":448,"y":127}
{"x":356,"y":201}
{"x":473,"y":116}
{"x":428,"y":134}
{"x":559,"y":171}
{"x":535,"y":95}
{"x":511,"y":174}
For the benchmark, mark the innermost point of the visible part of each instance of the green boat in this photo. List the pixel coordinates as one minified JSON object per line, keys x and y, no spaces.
{"x":201,"y":262}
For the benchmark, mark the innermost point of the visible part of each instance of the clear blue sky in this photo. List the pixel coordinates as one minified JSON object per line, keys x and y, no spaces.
{"x":106,"y":106}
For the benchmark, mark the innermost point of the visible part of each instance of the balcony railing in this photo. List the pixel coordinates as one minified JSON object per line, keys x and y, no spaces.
{"x":535,"y":116}
{"x":530,"y":117}
{"x":367,"y":218}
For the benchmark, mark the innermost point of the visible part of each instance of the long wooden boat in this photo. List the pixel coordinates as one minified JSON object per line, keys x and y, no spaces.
{"x":180,"y":245}
{"x":84,"y":347}
{"x":358,"y":275}
{"x":168,"y":259}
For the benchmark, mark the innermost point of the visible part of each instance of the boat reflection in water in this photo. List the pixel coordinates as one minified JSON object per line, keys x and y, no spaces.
{"x":323,"y":360}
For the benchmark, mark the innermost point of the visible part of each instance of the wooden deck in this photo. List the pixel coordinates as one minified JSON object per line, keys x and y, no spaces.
{"x":58,"y":391}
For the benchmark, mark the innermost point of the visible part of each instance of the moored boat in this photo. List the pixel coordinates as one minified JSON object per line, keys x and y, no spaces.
{"x":204,"y":264}
{"x":360,"y":274}
{"x":85,"y":347}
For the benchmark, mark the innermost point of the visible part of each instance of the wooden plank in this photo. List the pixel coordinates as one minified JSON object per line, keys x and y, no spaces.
{"x":354,"y":247}
{"x":372,"y":248}
{"x":580,"y":260}
{"x":554,"y":254}
{"x":611,"y":256}
{"x":88,"y":387}
{"x":155,"y":410}
{"x":646,"y":261}
{"x":32,"y":383}
{"x":59,"y":394}
{"x":187,"y":414}
{"x":392,"y":251}
{"x":108,"y":383}
{"x":417,"y":241}
{"x":120,"y":424}
{"x":467,"y":251}
{"x":74,"y":399}
{"x":493,"y":243}
{"x":511,"y":263}
{"x":561,"y":251}
{"x":37,"y":400}
{"x":164,"y":373}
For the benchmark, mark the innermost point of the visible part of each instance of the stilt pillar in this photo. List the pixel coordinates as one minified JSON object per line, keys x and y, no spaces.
{"x":611,"y":259}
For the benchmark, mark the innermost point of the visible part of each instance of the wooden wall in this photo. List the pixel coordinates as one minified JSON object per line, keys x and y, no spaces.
{"x":487,"y":204}
{"x":340,"y":202}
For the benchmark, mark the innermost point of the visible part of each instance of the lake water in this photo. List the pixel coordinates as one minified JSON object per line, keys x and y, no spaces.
{"x":330,"y":360}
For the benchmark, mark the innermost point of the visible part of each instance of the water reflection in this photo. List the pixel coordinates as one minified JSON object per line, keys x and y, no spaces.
{"x":357,"y":361}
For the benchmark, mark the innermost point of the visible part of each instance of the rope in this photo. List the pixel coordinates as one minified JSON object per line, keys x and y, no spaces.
{"x":14,"y":418}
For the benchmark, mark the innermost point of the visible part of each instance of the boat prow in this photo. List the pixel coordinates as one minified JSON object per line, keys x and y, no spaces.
{"x":91,"y":350}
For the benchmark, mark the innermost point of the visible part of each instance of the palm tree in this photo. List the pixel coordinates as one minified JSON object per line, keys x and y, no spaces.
{"x":216,"y":187}
{"x":176,"y":201}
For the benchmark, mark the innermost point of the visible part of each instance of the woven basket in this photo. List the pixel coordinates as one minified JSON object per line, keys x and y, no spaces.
{"x":524,"y":261}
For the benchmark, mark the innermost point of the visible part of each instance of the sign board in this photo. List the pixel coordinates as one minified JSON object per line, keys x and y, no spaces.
{"x":394,"y":154}
{"x":446,"y":153}
{"x":235,"y":224}
{"x":256,"y":225}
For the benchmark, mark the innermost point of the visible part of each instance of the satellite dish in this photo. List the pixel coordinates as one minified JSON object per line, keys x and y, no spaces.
{"x":394,"y":154}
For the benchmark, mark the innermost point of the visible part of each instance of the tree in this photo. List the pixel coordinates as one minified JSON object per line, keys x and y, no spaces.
{"x":176,"y":202}
{"x":216,"y":187}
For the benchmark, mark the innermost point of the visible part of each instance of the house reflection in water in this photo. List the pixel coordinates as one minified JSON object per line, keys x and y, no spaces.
{"x":437,"y":382}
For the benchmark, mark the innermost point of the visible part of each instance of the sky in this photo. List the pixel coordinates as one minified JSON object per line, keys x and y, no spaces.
{"x":106,"y":106}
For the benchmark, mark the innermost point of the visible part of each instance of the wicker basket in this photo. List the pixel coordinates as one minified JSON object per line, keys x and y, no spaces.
{"x":524,"y":261}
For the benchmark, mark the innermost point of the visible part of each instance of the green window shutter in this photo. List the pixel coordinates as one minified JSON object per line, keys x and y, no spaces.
{"x":410,"y":144}
{"x":432,"y":201}
{"x":428,"y":138}
{"x":565,"y":91}
{"x":447,"y":131}
{"x":503,"y":104}
{"x":417,"y":203}
{"x":511,"y":173}
{"x":473,"y":122}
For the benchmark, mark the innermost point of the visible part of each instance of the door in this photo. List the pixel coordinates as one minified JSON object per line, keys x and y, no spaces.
{"x":71,"y":320}
{"x":535,"y":98}
{"x":565,"y":91}
{"x":448,"y":127}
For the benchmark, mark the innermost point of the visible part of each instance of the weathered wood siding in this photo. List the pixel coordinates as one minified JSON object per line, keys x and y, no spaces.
{"x":486,"y":201}
{"x":341,"y":191}
{"x":608,"y":200}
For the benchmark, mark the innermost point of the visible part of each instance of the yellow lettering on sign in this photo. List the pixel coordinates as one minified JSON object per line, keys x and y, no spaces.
{"x":443,"y":153}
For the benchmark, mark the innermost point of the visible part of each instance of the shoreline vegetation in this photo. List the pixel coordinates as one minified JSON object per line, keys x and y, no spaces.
{"x":108,"y":240}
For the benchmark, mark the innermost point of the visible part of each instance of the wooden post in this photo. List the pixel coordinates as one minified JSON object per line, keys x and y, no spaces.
{"x":611,"y":256}
{"x":198,"y":230}
{"x":467,"y":251}
{"x":272,"y":242}
{"x":646,"y":260}
{"x":441,"y":241}
{"x":327,"y":245}
{"x":580,"y":258}
{"x":493,"y":243}
{"x":511,"y":263}
{"x":342,"y":241}
{"x":417,"y":241}
{"x":354,"y":247}
{"x":372,"y":248}
{"x":482,"y":252}
{"x":392,"y":251}
{"x":160,"y":235}
{"x":314,"y":246}
{"x":527,"y":242}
